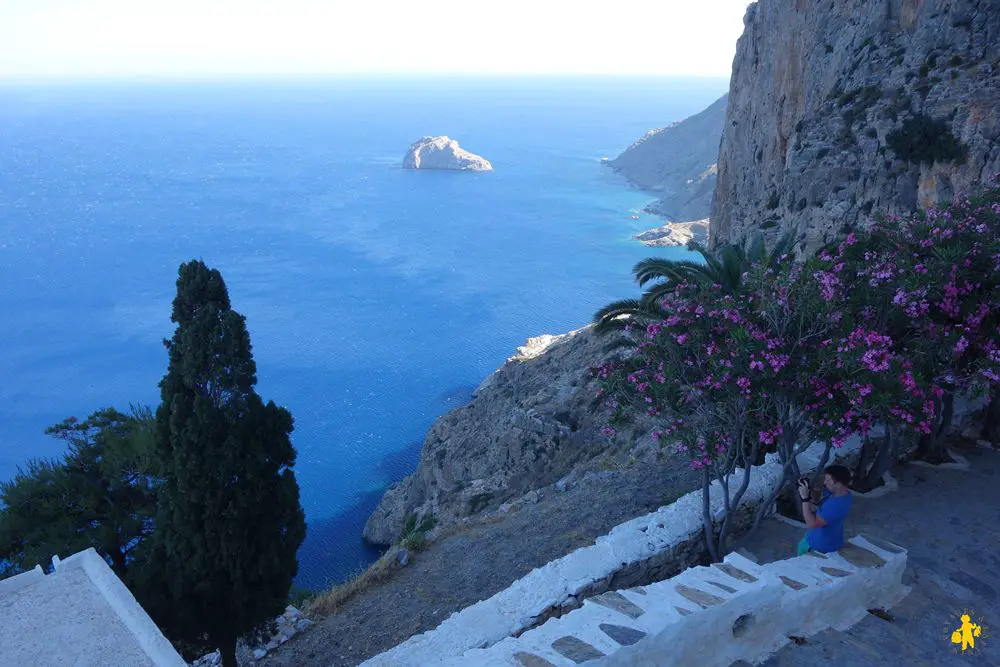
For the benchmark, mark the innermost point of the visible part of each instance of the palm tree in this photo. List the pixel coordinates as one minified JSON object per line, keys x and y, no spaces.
{"x":725,"y":270}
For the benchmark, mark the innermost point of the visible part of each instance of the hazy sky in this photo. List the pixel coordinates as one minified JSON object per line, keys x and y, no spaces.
{"x":208,"y":37}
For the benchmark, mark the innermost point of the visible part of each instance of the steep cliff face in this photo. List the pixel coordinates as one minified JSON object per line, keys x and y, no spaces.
{"x":528,"y":425}
{"x":844,"y":107}
{"x":678,"y":161}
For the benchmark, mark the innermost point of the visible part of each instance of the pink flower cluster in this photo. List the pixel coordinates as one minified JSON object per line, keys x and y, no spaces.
{"x":873,"y":330}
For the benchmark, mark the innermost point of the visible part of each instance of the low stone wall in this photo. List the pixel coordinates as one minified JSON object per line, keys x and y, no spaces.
{"x":744,"y":611}
{"x":799,"y":597}
{"x":646,"y":549}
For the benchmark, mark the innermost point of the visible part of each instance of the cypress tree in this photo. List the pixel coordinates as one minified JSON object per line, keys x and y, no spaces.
{"x":228,"y":521}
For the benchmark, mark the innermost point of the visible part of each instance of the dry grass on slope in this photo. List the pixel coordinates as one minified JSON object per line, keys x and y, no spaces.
{"x":332,"y":600}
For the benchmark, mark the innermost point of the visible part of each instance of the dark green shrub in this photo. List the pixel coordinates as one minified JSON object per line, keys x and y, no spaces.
{"x":414,"y":535}
{"x":922,"y":139}
{"x":298,"y":596}
{"x":860,"y":100}
{"x":479,"y":501}
{"x":845,"y":138}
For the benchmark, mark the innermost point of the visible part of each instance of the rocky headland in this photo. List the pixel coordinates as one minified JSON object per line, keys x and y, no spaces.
{"x":677,"y":163}
{"x":675,"y":234}
{"x":443,"y":153}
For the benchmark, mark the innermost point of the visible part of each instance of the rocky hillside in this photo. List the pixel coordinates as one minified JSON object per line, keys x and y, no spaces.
{"x":531,"y":423}
{"x":844,"y":107}
{"x":678,"y":162}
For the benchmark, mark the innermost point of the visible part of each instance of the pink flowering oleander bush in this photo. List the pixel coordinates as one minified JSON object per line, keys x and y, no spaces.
{"x":722,"y":371}
{"x":928,"y":284}
{"x":880,"y":329}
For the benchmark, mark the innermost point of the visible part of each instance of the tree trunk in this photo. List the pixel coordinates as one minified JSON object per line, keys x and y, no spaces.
{"x":706,"y":518}
{"x":931,"y":446}
{"x":864,"y":459}
{"x":227,"y":649}
{"x":731,"y":507}
{"x":991,"y":417}
{"x":784,"y":485}
{"x":817,"y":477}
{"x":118,"y":563}
{"x":947,"y":412}
{"x":883,"y":461}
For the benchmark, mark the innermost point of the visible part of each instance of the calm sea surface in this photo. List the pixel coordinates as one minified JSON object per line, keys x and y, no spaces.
{"x":376,"y":298}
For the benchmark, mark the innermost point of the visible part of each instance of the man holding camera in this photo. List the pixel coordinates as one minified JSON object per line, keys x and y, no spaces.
{"x":826,"y":520}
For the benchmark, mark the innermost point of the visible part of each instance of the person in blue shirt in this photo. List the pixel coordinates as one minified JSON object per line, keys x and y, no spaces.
{"x":826,"y":523}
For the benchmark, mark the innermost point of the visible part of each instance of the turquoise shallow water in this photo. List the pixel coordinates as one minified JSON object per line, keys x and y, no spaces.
{"x":376,"y":298}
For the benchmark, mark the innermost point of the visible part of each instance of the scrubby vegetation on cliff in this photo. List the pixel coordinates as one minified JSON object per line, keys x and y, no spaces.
{"x":874,"y":337}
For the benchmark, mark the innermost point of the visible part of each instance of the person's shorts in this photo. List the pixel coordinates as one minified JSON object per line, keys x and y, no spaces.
{"x":803,"y":546}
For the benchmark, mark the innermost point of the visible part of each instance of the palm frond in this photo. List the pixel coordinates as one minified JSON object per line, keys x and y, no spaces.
{"x":616,"y":315}
{"x":784,"y":246}
{"x":733,"y":263}
{"x":616,"y":308}
{"x":650,"y":301}
{"x":657,"y":268}
{"x":757,"y":251}
{"x":713,"y":266}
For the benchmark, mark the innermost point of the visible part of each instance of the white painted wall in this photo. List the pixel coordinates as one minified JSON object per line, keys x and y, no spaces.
{"x":80,"y":615}
{"x":127,"y":608}
{"x":778,"y":610}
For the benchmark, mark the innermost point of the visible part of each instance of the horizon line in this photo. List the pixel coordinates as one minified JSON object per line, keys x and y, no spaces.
{"x":223,"y":77}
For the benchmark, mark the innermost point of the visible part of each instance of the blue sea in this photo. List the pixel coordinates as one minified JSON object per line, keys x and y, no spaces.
{"x":377,"y":299}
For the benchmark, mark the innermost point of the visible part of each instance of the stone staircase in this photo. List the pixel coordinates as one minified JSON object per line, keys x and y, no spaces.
{"x":810,"y":610}
{"x":947,"y":518}
{"x":708,"y":616}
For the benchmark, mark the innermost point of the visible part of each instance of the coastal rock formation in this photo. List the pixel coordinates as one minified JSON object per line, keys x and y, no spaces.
{"x":842,"y":108}
{"x":527,"y":425}
{"x":678,"y":162}
{"x":443,"y":153}
{"x":675,"y":234}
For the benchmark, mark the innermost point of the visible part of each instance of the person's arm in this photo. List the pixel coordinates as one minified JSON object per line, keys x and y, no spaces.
{"x":808,"y":513}
{"x":812,"y":519}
